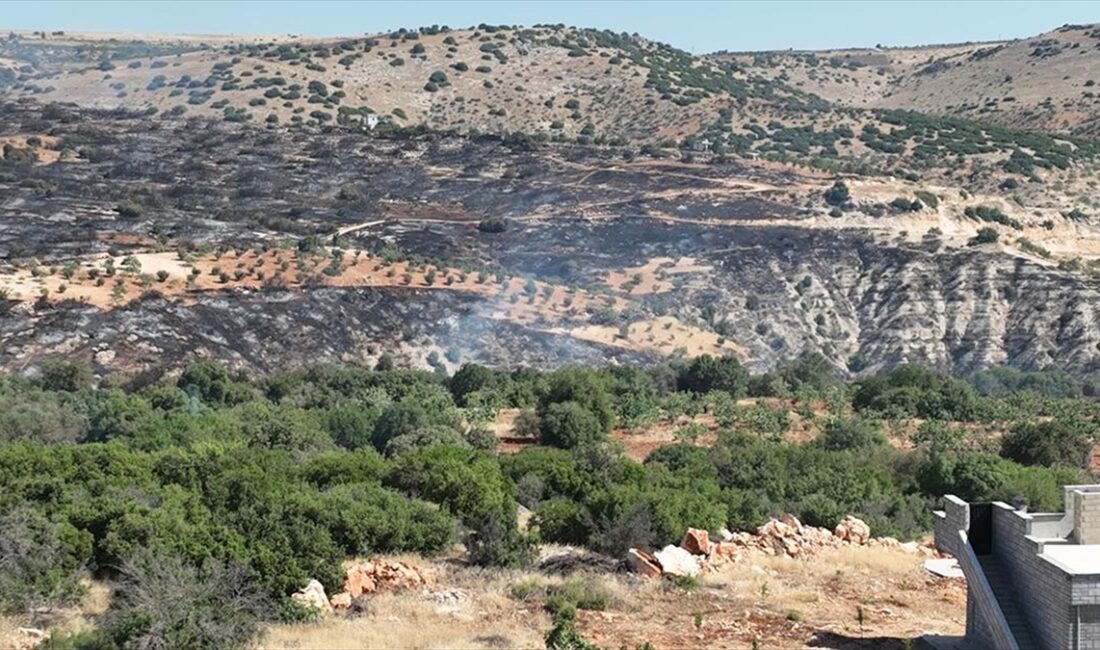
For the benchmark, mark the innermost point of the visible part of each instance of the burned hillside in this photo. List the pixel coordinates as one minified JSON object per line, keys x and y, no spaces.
{"x":140,"y":243}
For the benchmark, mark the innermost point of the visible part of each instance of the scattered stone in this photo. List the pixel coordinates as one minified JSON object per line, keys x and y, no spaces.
{"x":32,"y":632}
{"x":27,"y":638}
{"x":675,"y":561}
{"x":724,"y":550}
{"x":782,"y":536}
{"x":696,"y":541}
{"x":357,"y":579}
{"x":448,"y":600}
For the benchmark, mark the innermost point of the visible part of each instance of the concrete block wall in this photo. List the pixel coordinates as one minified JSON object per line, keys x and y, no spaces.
{"x":986,"y":626}
{"x":1086,"y":516}
{"x":1085,"y":590}
{"x":1045,"y":592}
{"x":1086,"y":612}
{"x":954,"y":517}
{"x":1063,"y":610}
{"x":1088,"y":637}
{"x":985,"y":623}
{"x":981,"y":629}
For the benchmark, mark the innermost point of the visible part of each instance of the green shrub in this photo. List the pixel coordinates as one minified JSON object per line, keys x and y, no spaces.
{"x":1063,"y":441}
{"x":851,"y":434}
{"x":567,"y":425}
{"x":838,"y":194}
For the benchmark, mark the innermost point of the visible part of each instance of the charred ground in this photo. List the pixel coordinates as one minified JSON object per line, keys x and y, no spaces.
{"x":603,"y":253}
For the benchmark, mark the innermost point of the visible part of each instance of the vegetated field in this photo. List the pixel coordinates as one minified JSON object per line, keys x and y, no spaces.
{"x":244,"y":489}
{"x":506,"y":302}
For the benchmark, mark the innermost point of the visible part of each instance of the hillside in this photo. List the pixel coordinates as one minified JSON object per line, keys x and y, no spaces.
{"x":530,"y":337}
{"x":169,"y":239}
{"x":1045,"y":83}
{"x":551,"y":80}
{"x":546,"y":195}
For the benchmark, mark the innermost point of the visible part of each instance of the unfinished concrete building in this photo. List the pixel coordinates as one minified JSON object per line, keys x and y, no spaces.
{"x":1033,"y":579}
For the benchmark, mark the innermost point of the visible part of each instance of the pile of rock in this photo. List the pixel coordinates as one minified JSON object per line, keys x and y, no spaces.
{"x":363,"y":578}
{"x":782,"y":536}
{"x":672,"y":560}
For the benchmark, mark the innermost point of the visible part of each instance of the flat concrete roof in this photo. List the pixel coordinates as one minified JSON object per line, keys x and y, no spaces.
{"x":1074,"y":559}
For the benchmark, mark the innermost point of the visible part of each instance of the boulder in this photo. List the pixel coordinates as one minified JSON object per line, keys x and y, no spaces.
{"x":643,"y":563}
{"x":26,"y":638}
{"x":791,"y":521}
{"x":696,"y":541}
{"x":675,"y":561}
{"x":32,"y":632}
{"x":357,"y":579}
{"x":313,"y":596}
{"x":853,"y":530}
{"x":725,"y":535}
{"x":724,"y":550}
{"x":341,"y":601}
{"x":377,"y":575}
{"x":776,"y":529}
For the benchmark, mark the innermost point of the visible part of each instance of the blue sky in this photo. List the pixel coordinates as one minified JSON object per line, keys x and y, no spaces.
{"x":693,"y":26}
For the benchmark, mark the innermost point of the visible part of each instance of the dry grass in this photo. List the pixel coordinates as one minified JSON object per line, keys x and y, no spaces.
{"x":489,"y":618}
{"x":778,"y":601}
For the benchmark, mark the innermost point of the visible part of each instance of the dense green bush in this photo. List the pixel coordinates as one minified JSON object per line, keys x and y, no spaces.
{"x":1063,"y":441}
{"x":851,"y":434}
{"x":913,"y":391}
{"x":706,"y":374}
{"x":568,"y":425}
